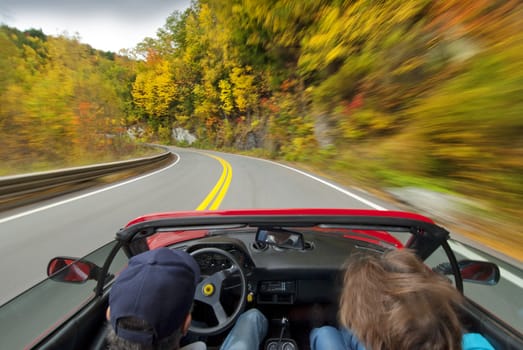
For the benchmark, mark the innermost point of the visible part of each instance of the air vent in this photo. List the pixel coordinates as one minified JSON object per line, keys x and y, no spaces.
{"x":259,"y":246}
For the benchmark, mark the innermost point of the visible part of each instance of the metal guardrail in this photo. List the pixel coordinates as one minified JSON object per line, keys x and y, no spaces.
{"x":22,"y":189}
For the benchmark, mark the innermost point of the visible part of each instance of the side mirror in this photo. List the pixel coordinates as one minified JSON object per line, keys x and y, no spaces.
{"x":481,"y":272}
{"x":72,"y":270}
{"x":280,"y":238}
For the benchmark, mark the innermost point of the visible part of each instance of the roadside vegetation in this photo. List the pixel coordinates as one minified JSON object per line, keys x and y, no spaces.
{"x":62,"y":103}
{"x":424,"y":94}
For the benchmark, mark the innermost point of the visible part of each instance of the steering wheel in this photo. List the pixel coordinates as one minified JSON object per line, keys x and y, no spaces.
{"x":209,"y":290}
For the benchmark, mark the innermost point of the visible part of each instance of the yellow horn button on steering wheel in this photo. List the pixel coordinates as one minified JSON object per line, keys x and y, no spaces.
{"x":208,"y":290}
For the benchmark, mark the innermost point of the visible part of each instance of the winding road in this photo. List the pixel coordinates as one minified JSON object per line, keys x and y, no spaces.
{"x":76,"y":224}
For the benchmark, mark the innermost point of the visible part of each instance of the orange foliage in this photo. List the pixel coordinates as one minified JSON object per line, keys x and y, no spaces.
{"x":481,"y":18}
{"x":288,"y":85}
{"x":211,"y":122}
{"x":84,"y":108}
{"x":153,"y":57}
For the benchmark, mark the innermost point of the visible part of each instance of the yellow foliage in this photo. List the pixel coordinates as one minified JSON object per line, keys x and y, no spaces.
{"x":243,"y":88}
{"x":226,"y":96}
{"x":154,"y":89}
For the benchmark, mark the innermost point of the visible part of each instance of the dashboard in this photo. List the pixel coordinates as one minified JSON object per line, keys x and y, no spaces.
{"x":279,"y":282}
{"x":277,"y":276}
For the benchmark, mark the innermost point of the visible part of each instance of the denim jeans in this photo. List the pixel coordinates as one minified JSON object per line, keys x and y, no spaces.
{"x":248,"y":332}
{"x":330,"y":338}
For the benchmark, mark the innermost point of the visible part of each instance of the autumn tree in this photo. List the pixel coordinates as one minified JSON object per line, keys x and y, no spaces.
{"x":60,"y":99}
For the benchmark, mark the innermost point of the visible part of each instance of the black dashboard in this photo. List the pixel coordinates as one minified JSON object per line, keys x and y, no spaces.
{"x":281,"y":283}
{"x":277,"y":276}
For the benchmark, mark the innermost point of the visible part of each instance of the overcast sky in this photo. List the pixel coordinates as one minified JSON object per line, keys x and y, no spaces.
{"x":108,"y":25}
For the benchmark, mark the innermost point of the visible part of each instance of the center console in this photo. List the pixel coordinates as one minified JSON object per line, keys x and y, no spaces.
{"x":277,"y":292}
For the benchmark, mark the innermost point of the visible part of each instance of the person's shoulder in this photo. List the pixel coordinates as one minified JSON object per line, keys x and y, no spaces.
{"x":475,"y":341}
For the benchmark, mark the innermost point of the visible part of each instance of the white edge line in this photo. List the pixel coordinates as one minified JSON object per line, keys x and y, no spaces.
{"x":29,"y":212}
{"x":348,"y":193}
{"x":507,"y":275}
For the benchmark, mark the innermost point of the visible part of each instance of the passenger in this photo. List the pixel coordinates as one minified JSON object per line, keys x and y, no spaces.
{"x":150,"y":305}
{"x":394,"y":301}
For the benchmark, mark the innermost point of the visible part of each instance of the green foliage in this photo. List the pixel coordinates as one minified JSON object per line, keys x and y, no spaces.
{"x":475,"y":118}
{"x":394,"y":178}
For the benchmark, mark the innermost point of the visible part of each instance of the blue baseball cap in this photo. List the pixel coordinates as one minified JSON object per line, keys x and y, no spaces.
{"x":157,"y":287}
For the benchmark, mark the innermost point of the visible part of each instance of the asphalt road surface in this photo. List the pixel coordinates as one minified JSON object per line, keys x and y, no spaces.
{"x":76,"y":224}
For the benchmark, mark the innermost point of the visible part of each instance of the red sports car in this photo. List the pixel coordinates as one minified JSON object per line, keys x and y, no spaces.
{"x":284,"y":262}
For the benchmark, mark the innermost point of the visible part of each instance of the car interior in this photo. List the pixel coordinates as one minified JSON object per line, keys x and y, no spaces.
{"x":292,"y":274}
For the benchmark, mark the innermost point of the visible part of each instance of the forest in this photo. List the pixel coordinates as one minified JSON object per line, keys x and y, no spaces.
{"x":394,"y":93}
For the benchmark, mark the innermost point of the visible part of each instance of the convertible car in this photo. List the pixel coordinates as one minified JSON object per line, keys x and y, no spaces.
{"x":287,"y":263}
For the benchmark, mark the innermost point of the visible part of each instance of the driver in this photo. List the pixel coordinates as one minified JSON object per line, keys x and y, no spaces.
{"x":150,"y":305}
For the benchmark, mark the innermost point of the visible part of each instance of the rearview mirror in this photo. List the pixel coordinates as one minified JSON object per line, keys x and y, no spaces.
{"x":71,"y":270}
{"x":280,"y":238}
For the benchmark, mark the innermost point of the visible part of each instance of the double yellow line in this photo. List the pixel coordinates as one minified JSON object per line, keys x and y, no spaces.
{"x":220,"y":189}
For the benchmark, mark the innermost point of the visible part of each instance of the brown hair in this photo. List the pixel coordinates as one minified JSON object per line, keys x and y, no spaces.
{"x":394,"y":301}
{"x":114,"y":342}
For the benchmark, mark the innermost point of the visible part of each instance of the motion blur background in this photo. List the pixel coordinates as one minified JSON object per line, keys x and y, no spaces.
{"x":420,"y":101}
